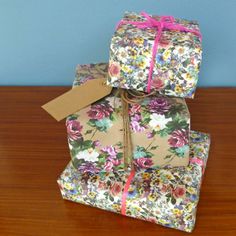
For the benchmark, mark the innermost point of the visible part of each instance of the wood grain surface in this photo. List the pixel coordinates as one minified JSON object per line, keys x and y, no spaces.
{"x":34,"y":151}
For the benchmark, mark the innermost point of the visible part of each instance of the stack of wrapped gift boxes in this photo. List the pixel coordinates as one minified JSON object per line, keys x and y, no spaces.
{"x":133,"y":151}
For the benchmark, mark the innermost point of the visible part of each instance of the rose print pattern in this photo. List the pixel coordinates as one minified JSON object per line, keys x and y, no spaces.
{"x":95,"y":134}
{"x":74,"y":129}
{"x":168,"y":197}
{"x":177,"y":61}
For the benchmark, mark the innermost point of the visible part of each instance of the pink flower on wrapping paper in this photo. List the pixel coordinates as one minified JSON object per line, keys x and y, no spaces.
{"x":134,"y":109}
{"x":152,"y":220}
{"x":164,"y":188}
{"x":110,"y":150}
{"x":143,"y":162}
{"x":115,"y":189}
{"x":179,"y":192}
{"x":193,"y":61}
{"x":164,"y":43}
{"x":135,"y":123}
{"x":114,"y":69}
{"x":197,"y":161}
{"x":102,"y":185}
{"x":159,"y":105}
{"x":74,"y":129}
{"x":178,"y":138}
{"x":108,"y":166}
{"x":116,"y":162}
{"x":100,"y":111}
{"x":157,"y":83}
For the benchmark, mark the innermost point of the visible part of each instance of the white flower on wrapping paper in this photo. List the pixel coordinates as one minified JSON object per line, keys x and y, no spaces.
{"x":88,"y":155}
{"x":158,"y":122}
{"x":70,"y":146}
{"x":122,"y":55}
{"x":115,"y":102}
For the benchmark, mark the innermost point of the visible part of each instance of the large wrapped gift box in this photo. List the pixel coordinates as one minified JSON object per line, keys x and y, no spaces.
{"x":168,"y":197}
{"x":176,"y":63}
{"x":159,"y":130}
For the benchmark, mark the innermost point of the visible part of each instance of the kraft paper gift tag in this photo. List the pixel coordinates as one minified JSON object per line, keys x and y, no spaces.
{"x":77,"y":98}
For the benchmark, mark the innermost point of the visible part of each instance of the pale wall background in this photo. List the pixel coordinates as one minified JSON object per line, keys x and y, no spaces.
{"x":41,"y":41}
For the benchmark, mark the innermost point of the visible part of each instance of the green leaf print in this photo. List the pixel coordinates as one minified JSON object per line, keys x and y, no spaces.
{"x":177,"y":123}
{"x":73,"y":117}
{"x":177,"y":109}
{"x":173,"y":200}
{"x":154,"y":147}
{"x":88,"y":131}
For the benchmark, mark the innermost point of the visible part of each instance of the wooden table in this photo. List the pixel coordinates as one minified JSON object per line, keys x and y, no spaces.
{"x":33,"y":152}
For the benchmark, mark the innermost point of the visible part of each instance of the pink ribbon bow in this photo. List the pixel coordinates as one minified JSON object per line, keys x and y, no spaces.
{"x":165,"y":22}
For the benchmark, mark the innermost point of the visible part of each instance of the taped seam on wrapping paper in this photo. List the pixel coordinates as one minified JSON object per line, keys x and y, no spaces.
{"x":125,"y":192}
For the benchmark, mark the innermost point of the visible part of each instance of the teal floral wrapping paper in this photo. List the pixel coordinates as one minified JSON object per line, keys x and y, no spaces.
{"x":177,"y":61}
{"x":159,"y":129}
{"x":168,"y":197}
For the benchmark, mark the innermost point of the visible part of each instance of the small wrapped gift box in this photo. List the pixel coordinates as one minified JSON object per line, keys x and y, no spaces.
{"x":158,"y":130}
{"x":168,"y":197}
{"x":152,"y":53}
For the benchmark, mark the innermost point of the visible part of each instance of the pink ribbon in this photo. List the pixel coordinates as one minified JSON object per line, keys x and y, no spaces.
{"x":125,"y":192}
{"x":165,"y":22}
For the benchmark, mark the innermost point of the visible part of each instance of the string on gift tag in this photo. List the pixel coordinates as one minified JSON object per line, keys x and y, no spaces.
{"x":165,"y":22}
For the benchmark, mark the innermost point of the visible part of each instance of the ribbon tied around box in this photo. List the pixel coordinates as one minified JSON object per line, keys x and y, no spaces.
{"x":165,"y":22}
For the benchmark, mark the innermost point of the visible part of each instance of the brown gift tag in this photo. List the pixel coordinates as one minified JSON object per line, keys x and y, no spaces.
{"x":77,"y":98}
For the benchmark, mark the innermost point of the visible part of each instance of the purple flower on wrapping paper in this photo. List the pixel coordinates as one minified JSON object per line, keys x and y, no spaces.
{"x":97,"y":143}
{"x":159,"y":105}
{"x":74,"y":129}
{"x":159,"y":59}
{"x":178,"y":138}
{"x":150,"y":135}
{"x":88,"y":167}
{"x":135,"y":123}
{"x":132,"y":193}
{"x":100,"y":111}
{"x":85,"y":79}
{"x":193,"y":197}
{"x":143,"y":162}
{"x":110,"y":150}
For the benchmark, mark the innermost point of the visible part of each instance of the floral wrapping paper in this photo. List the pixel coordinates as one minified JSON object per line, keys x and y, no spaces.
{"x":177,"y":61}
{"x":159,"y":129}
{"x":168,"y":197}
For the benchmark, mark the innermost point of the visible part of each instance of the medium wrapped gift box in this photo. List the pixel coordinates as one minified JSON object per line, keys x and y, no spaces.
{"x":165,"y":196}
{"x":159,"y":131}
{"x":175,"y":64}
